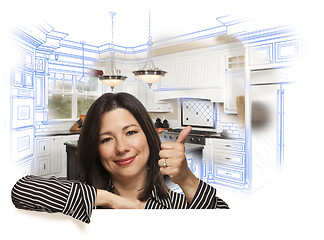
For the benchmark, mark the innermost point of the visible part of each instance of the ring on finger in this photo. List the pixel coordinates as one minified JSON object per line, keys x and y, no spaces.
{"x":164,"y":163}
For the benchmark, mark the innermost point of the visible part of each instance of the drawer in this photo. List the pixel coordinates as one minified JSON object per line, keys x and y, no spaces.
{"x":235,"y":175}
{"x":44,"y":165}
{"x":232,"y":145}
{"x":229,"y":158}
{"x":43,"y":146}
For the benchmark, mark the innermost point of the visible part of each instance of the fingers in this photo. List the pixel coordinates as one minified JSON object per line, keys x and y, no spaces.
{"x":171,"y":172}
{"x":175,"y":152}
{"x":183,"y":134}
{"x":167,"y":163}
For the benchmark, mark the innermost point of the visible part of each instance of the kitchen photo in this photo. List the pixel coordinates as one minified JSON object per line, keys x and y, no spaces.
{"x":214,"y":102}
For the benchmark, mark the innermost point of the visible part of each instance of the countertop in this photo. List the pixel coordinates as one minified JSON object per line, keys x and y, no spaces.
{"x":56,"y":133}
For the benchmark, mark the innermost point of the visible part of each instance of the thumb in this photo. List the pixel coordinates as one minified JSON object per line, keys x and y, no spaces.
{"x":183,"y":134}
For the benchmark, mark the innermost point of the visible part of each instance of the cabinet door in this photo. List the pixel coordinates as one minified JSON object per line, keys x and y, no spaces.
{"x":181,"y":73}
{"x":215,"y":71}
{"x":56,"y":156}
{"x":261,"y":55}
{"x":167,"y":80}
{"x":22,"y":112}
{"x":22,"y":143}
{"x":43,"y":146}
{"x":196,"y":77}
{"x":234,"y":87}
{"x":287,"y":50}
{"x":44,"y":165}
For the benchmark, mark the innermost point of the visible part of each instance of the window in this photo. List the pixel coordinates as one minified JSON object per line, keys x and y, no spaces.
{"x":87,"y":93}
{"x":70,"y":96}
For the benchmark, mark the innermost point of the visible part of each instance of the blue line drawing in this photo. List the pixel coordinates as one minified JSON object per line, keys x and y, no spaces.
{"x":51,"y":66}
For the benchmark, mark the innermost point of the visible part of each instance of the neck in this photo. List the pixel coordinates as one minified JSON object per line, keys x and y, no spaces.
{"x":130,"y":187}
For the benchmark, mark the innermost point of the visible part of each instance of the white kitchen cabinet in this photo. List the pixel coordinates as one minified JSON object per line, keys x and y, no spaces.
{"x":180,"y":73}
{"x":225,"y":160}
{"x":194,"y":69}
{"x":43,"y":146}
{"x":261,"y":55}
{"x":44,"y":166}
{"x":167,"y":80}
{"x":196,"y":73}
{"x":234,"y":87}
{"x":51,"y":155}
{"x":274,"y":53}
{"x":214,"y":70}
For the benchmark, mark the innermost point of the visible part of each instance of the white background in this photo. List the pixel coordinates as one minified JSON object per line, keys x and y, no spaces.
{"x":290,"y":207}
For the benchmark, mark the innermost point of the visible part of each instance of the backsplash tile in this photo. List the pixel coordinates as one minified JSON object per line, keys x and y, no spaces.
{"x":204,"y":113}
{"x":228,"y":123}
{"x":199,"y":113}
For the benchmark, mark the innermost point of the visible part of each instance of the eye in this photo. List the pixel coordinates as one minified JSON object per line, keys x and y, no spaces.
{"x":106,"y":140}
{"x":129,"y":133}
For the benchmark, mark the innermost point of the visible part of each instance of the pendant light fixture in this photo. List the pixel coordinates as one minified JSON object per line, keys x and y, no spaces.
{"x":149,"y":73}
{"x":113,"y":76}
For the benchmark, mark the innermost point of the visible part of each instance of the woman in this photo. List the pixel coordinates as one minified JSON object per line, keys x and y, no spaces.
{"x":122,"y":163}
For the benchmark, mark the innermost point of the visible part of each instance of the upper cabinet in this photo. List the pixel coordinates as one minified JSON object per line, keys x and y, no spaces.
{"x":234,"y":88}
{"x":203,"y":68}
{"x":234,"y":80}
{"x":274,"y":53}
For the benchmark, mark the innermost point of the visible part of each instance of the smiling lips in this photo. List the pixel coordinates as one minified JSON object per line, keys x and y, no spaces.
{"x":125,"y":161}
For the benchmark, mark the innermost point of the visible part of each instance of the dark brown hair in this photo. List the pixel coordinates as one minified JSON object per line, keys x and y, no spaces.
{"x":91,"y":169}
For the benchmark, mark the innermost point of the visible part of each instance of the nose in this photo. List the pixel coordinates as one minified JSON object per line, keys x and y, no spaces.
{"x":121,"y":146}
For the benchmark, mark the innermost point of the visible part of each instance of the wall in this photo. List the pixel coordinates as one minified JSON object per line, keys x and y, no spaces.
{"x":229,"y":122}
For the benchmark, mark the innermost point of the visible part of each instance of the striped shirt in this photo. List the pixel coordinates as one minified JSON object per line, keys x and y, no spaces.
{"x":77,"y":199}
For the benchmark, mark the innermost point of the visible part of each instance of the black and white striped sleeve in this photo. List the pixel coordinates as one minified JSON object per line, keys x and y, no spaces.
{"x":205,"y":198}
{"x":52,"y":195}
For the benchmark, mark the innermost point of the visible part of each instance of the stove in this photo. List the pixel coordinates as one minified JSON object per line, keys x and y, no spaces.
{"x":195,"y":136}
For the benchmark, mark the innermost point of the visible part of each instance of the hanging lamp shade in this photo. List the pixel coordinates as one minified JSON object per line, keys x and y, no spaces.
{"x":149,"y":73}
{"x":112,"y":76}
{"x":149,"y":76}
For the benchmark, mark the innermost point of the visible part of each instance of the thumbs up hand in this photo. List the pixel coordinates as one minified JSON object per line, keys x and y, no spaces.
{"x":173,"y":160}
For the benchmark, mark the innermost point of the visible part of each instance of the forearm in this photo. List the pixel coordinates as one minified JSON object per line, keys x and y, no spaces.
{"x":190,"y":186}
{"x":53,"y":195}
{"x":107,"y":199}
{"x":104,"y":199}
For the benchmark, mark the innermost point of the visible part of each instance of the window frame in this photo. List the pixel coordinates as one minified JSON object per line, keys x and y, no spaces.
{"x":74,"y":93}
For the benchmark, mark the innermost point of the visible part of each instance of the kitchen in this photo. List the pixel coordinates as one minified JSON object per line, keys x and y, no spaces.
{"x":257,"y":216}
{"x":211,"y":75}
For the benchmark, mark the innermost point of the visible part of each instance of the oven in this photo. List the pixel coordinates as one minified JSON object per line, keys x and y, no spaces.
{"x":194,"y":137}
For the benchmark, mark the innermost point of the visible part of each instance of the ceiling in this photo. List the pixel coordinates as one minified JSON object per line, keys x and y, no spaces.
{"x":90,"y":21}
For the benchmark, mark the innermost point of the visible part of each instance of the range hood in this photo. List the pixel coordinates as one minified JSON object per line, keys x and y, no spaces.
{"x":213,"y":94}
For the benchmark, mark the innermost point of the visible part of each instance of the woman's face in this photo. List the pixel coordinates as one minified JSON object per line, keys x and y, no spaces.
{"x":123,"y":148}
